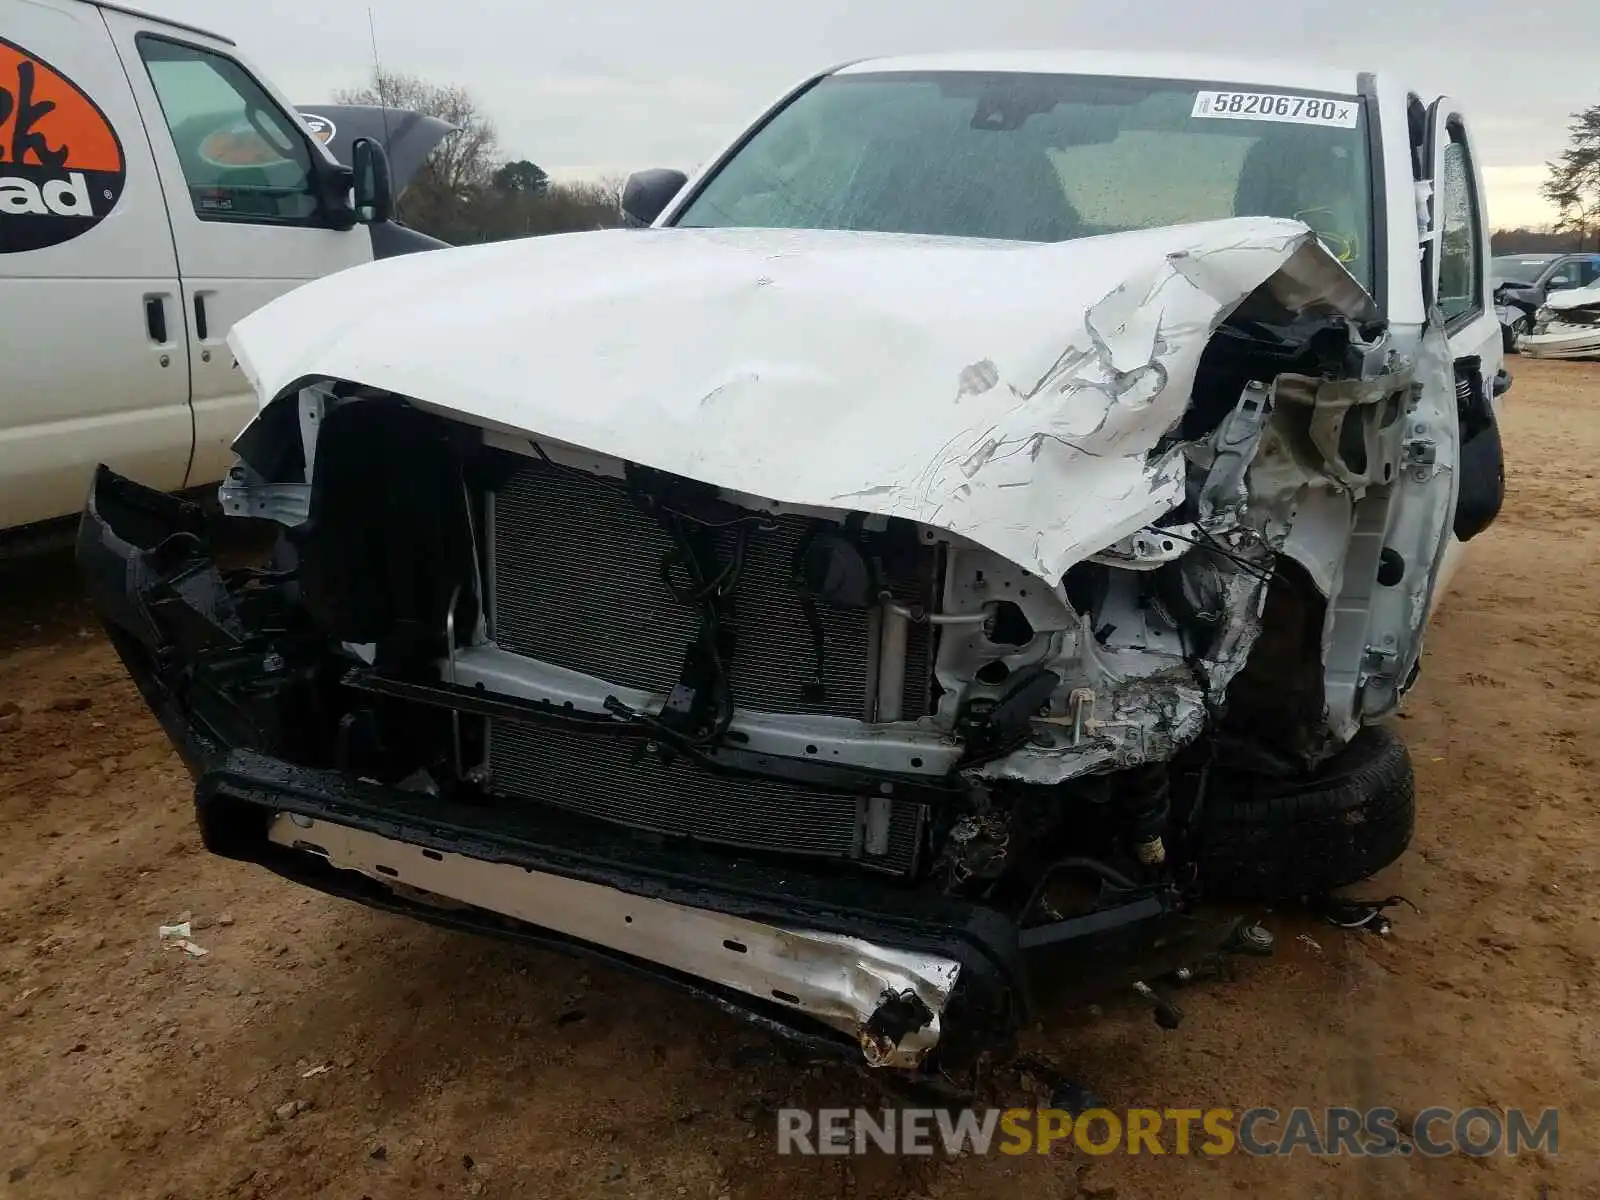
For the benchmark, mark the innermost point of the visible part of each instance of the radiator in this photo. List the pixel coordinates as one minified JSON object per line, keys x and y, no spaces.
{"x":614,"y":779}
{"x":577,"y":583}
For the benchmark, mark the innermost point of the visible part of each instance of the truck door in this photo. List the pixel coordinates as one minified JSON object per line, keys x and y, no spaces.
{"x":235,"y":161}
{"x":1456,"y":272}
{"x":92,"y":361}
{"x":1574,"y":271}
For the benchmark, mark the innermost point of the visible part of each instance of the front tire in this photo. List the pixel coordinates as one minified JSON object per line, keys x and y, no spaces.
{"x":1263,"y":838}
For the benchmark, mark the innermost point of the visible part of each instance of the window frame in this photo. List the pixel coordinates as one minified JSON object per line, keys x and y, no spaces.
{"x":1588,"y":269}
{"x":317,"y":218}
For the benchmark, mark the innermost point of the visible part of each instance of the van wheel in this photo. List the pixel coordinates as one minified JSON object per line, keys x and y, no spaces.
{"x":1262,"y":838}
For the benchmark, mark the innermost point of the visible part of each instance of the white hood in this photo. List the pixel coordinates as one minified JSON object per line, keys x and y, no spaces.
{"x":1009,"y":393}
{"x":1567,"y":298}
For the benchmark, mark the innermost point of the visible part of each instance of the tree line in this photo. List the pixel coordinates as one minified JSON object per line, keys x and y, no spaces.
{"x":1572,"y":185}
{"x":467,"y":191}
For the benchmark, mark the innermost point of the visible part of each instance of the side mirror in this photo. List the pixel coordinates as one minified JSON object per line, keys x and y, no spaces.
{"x":1559,"y":281}
{"x":374,"y":187}
{"x":647,"y":193}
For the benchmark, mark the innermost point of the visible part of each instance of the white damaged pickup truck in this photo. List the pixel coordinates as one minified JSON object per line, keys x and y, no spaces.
{"x":987,"y":512}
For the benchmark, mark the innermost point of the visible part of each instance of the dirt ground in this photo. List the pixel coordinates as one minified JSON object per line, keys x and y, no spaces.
{"x":460,"y":1066}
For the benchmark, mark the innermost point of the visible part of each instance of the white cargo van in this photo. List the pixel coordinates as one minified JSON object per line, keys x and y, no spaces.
{"x":154,"y":188}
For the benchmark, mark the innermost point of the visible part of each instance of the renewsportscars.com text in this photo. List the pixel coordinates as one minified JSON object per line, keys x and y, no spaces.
{"x":1372,"y":1132}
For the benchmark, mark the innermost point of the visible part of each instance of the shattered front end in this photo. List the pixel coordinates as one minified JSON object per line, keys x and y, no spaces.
{"x":878,"y":764}
{"x":1566,"y":326}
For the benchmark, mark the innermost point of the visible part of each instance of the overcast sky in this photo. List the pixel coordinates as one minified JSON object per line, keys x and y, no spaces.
{"x":585,"y":88}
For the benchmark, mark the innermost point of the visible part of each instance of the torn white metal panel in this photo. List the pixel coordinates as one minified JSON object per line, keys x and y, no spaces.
{"x":1135,"y":691}
{"x":1563,"y":331}
{"x":1566,"y":326}
{"x":1011,"y":394}
{"x":1409,"y":518}
{"x":1568,"y":298}
{"x":1139,"y":719}
{"x":1562,"y":341}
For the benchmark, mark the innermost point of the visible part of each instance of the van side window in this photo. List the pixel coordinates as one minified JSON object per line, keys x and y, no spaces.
{"x":243,"y":158}
{"x":1461,"y":243}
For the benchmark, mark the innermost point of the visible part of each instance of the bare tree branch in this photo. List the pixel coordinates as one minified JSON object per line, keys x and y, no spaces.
{"x":464,"y":192}
{"x":462,"y":162}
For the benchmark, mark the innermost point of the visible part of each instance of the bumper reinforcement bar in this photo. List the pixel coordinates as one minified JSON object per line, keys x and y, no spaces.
{"x":889,"y":1000}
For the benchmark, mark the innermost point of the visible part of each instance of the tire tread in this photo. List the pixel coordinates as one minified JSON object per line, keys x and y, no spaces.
{"x":1272,"y":839}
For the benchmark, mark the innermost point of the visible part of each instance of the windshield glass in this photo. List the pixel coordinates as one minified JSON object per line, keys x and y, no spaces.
{"x":1046,"y":158}
{"x":1512,"y":269}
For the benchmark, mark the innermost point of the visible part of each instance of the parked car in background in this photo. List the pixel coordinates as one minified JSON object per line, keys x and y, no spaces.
{"x":997,"y":503}
{"x":154,"y":188}
{"x":1522,"y":282}
{"x":1567,"y":325}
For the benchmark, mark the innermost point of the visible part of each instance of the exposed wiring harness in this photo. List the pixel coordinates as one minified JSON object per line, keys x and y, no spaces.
{"x":1209,"y":541}
{"x":693,"y":576}
{"x":710,"y":597}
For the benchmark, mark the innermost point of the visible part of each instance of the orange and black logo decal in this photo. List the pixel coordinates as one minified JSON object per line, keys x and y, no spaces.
{"x":61,"y":164}
{"x":239,"y":145}
{"x":321,"y":128}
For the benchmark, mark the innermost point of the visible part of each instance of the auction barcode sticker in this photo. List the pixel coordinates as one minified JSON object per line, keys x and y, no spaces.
{"x":1274,"y":106}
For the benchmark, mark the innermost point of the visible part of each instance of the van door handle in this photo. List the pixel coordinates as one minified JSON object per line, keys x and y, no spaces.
{"x":155,"y":319}
{"x":200,"y":316}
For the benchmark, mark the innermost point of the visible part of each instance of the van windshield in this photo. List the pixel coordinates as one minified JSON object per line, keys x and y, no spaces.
{"x":1047,"y":158}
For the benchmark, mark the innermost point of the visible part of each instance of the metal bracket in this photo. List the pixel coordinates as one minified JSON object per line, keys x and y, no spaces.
{"x":1081,"y":701}
{"x":1233,"y":447}
{"x":312,"y":410}
{"x":1377,"y":662}
{"x":286,"y":503}
{"x":1147,"y":549}
{"x":1080,"y":717}
{"x":1419,"y":452}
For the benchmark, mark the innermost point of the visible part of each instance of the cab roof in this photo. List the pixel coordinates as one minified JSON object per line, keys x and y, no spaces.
{"x":160,"y":20}
{"x":1266,"y":73}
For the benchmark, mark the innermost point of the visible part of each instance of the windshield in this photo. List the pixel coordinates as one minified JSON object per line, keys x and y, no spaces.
{"x":1046,"y":158}
{"x":1512,"y":269}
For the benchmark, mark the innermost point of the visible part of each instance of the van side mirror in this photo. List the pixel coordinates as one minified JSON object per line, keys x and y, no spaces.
{"x":647,"y":193}
{"x":373,"y":186}
{"x":1559,"y":281}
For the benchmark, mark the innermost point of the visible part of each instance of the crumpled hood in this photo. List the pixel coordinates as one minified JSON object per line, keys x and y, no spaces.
{"x":1008,"y":393}
{"x":1569,"y":298}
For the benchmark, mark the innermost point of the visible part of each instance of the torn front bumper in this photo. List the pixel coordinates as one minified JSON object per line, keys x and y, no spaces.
{"x":1557,"y":340}
{"x":905,"y":977}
